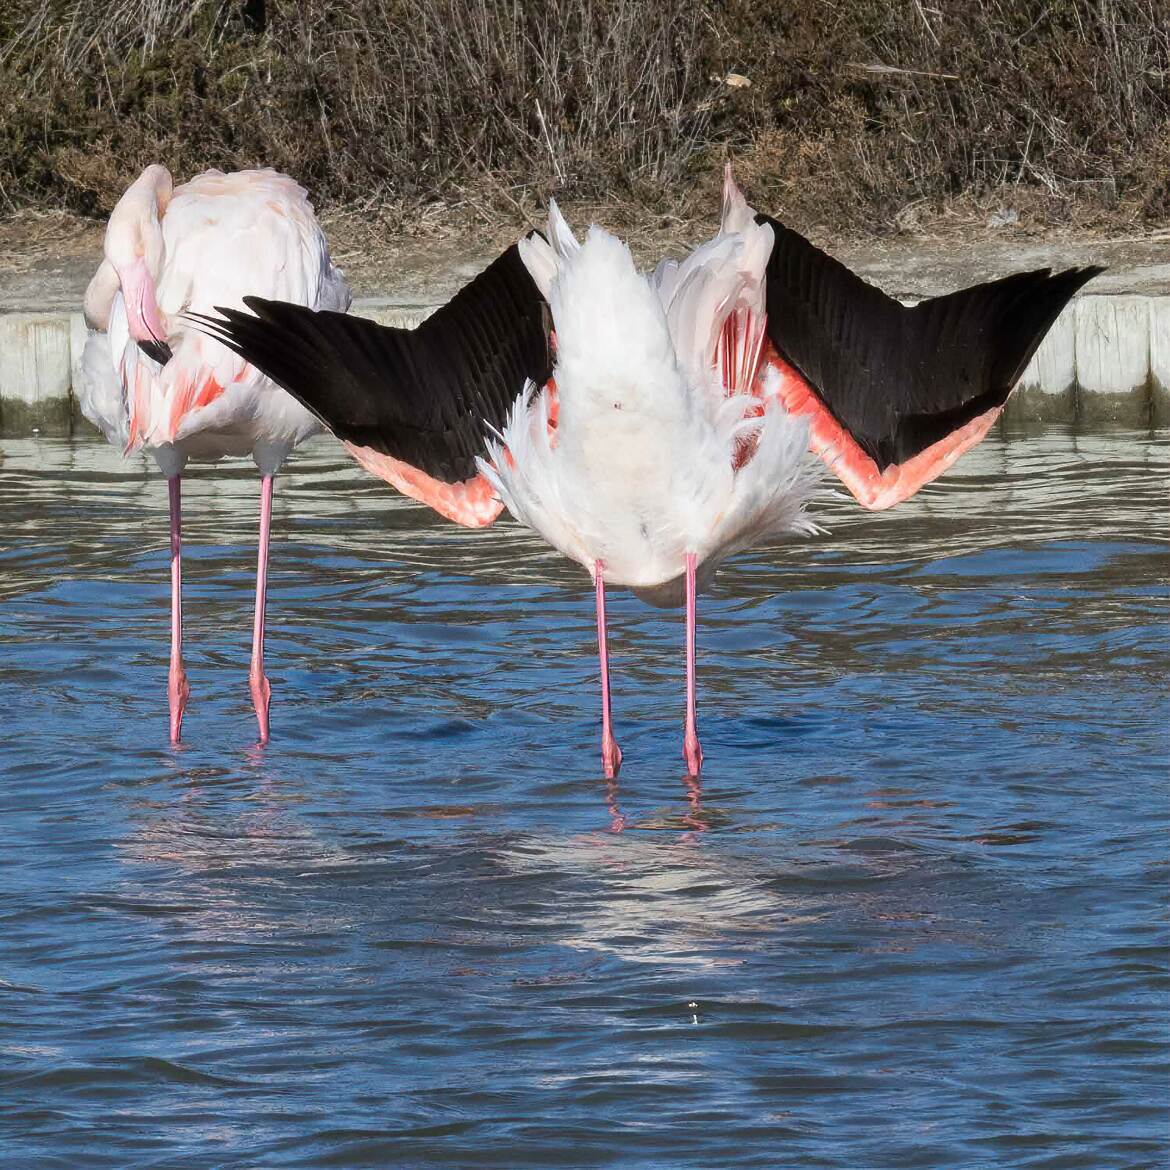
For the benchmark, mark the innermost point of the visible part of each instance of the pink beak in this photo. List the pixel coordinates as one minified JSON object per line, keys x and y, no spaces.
{"x":142,"y":311}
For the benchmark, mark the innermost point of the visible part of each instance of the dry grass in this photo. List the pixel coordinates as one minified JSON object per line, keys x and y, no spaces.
{"x":1057,"y":107}
{"x":859,"y":114}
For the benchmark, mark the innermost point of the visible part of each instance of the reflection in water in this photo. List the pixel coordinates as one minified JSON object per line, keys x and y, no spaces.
{"x":694,"y":817}
{"x":911,"y":916}
{"x":617,"y":819}
{"x":658,"y":903}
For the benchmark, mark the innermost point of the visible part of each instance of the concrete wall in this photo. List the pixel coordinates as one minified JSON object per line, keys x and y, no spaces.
{"x":1107,"y":359}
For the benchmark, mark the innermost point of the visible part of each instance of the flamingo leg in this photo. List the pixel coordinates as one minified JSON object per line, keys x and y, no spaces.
{"x":258,"y":680}
{"x":177,"y":689}
{"x":611,"y":754}
{"x":692,"y":752}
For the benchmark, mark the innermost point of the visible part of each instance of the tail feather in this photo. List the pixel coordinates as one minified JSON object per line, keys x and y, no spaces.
{"x":542,"y":255}
{"x":736,"y":215}
{"x":163,"y":397}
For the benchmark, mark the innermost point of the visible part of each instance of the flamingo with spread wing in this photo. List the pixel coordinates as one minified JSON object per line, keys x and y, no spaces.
{"x":649,"y":427}
{"x":151,"y":382}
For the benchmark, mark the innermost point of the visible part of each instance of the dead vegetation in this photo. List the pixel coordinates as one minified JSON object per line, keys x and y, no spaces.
{"x":858,"y":115}
{"x":1056,"y":108}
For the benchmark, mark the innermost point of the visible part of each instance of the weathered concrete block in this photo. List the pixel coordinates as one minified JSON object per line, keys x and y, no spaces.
{"x":35,"y":372}
{"x":1047,"y":389}
{"x":1107,"y":358}
{"x":1160,"y":359}
{"x":1113,"y":359}
{"x":78,"y":332}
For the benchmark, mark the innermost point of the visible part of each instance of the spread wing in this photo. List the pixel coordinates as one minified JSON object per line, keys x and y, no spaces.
{"x":899,"y":390}
{"x":425,"y":397}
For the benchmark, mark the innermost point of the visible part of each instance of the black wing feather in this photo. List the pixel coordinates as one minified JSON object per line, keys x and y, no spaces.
{"x":427,"y":395}
{"x":899,"y":379}
{"x":156,"y":350}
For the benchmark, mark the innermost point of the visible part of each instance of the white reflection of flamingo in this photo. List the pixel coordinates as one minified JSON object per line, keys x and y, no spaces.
{"x":649,"y":912}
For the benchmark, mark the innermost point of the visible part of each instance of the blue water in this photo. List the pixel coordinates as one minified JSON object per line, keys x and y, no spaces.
{"x":914,"y":916}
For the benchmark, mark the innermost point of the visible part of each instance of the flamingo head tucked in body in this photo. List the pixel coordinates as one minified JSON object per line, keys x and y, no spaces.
{"x":134,"y":256}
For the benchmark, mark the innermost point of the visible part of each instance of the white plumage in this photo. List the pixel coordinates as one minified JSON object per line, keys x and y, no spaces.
{"x":641,"y":468}
{"x":213,"y":240}
{"x":150,"y":381}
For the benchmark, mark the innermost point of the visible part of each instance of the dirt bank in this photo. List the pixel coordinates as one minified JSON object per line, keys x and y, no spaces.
{"x":46,"y":259}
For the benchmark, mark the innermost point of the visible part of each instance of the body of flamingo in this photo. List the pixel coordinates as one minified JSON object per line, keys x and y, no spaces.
{"x":151,"y":382}
{"x":659,"y":465}
{"x":665,"y":422}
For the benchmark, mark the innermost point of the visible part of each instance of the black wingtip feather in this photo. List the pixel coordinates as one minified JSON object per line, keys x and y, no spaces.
{"x":426,"y":396}
{"x":156,"y":350}
{"x":898,"y":379}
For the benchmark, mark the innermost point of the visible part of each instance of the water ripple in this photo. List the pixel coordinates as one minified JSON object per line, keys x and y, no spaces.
{"x":914,"y":915}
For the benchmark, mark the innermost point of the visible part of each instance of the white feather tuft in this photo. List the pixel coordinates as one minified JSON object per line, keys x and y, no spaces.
{"x":100,"y":393}
{"x":737,"y":215}
{"x":559,"y":233}
{"x":542,"y":256}
{"x":641,"y":467}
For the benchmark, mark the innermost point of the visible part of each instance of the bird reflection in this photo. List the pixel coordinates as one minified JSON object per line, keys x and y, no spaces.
{"x":617,"y":818}
{"x":694,"y":819}
{"x":254,"y":754}
{"x":646,"y":897}
{"x":229,"y":835}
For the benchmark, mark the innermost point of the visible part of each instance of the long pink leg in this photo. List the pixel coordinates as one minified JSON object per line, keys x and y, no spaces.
{"x":611,"y":754}
{"x":258,"y":680}
{"x":691,"y":749}
{"x":177,"y":689}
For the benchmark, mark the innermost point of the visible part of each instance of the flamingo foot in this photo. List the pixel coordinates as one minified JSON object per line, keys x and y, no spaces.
{"x":178,"y":692}
{"x":261,"y":700}
{"x":611,"y":756}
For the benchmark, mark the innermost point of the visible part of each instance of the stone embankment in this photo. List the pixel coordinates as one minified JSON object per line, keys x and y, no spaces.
{"x":1107,"y":358}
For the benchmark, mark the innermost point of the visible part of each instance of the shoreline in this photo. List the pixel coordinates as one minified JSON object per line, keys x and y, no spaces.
{"x":1106,"y":360}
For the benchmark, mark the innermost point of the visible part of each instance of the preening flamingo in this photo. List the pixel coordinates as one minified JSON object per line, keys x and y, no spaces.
{"x":670,"y":429}
{"x":152,"y":382}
